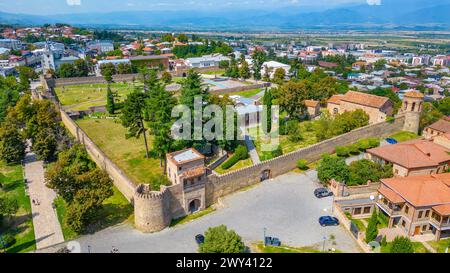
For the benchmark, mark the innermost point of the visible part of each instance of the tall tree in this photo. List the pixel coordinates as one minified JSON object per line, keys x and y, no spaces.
{"x":244,"y":70}
{"x":267,"y":100}
{"x":292,"y":97}
{"x":258,"y":57}
{"x":372,"y":227}
{"x":133,"y":116}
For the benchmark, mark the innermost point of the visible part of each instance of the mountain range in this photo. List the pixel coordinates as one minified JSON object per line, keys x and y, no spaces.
{"x":391,"y":14}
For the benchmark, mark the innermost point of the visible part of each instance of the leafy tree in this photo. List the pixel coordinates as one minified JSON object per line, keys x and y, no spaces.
{"x":332,"y":167}
{"x":81,"y":67}
{"x":182,"y":38}
{"x":233,"y":69}
{"x":279,"y":75}
{"x":9,"y":94}
{"x":363,"y":170}
{"x":8,"y":205}
{"x":258,"y":57}
{"x":133,"y":116}
{"x":45,"y":144}
{"x":291,"y":98}
{"x":380,"y":64}
{"x":12,"y":145}
{"x":221,"y":240}
{"x":110,"y":101}
{"x":372,"y":227}
{"x":108,"y":70}
{"x":268,"y":100}
{"x":166,"y":77}
{"x":167,"y":38}
{"x":443,"y":106}
{"x":124,"y":68}
{"x":244,"y":71}
{"x":429,"y":115}
{"x":401,"y":245}
{"x":26,"y":74}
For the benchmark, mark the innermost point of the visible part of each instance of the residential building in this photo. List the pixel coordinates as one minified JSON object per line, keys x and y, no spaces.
{"x":414,"y":157}
{"x":271,"y":66}
{"x":151,"y":61}
{"x":417,"y":204}
{"x":100,"y":46}
{"x":378,"y":108}
{"x":11,"y":44}
{"x":313,"y":108}
{"x":438,"y":128}
{"x":206,"y":61}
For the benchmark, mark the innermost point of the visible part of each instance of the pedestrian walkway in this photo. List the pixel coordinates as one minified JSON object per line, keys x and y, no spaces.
{"x":47,"y":229}
{"x":250,"y":147}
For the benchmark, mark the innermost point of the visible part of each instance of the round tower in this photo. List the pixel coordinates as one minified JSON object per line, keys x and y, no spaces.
{"x":151,"y":209}
{"x":412,"y":107}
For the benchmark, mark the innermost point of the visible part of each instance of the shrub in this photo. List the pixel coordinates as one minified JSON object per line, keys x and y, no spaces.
{"x":383,"y":241}
{"x":240,"y":153}
{"x":332,"y":167}
{"x":372,"y":228}
{"x":6,"y":240}
{"x":271,"y":154}
{"x":302,"y":164}
{"x":374,"y":142}
{"x":295,"y":134}
{"x":353,"y":149}
{"x":342,"y":151}
{"x":363,"y":144}
{"x":401,"y":245}
{"x":222,"y":240}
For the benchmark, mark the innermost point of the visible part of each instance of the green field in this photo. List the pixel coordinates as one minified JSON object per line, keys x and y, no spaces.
{"x":19,"y":225}
{"x":441,"y":245}
{"x":241,"y":164}
{"x":404,"y":136}
{"x":115,"y":210}
{"x":81,"y":97}
{"x":247,"y":93}
{"x":128,"y":154}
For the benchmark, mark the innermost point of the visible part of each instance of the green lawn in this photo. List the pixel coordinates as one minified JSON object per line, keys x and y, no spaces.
{"x":115,"y":210}
{"x":190,"y":217}
{"x":404,"y":136}
{"x":287,"y":249}
{"x":440,"y":245}
{"x":81,"y":97}
{"x":128,"y":154}
{"x":308,"y":134}
{"x":215,"y":72}
{"x":247,"y":93}
{"x":19,"y":225}
{"x":241,"y":164}
{"x":418,"y":248}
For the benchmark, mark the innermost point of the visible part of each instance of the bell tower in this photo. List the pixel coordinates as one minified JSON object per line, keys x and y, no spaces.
{"x":411,"y":108}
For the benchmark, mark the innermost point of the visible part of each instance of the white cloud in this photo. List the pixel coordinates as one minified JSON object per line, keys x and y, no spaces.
{"x":374,"y":2}
{"x":73,"y":2}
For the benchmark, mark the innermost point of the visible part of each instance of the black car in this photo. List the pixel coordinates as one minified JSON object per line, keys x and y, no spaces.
{"x":200,"y":239}
{"x":322,"y":192}
{"x":328,"y":221}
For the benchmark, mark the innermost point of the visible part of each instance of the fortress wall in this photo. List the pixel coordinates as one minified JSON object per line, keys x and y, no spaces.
{"x":220,"y":185}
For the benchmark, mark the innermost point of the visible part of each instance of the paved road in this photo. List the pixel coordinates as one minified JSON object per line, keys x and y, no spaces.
{"x":285,"y":206}
{"x":47,"y":230}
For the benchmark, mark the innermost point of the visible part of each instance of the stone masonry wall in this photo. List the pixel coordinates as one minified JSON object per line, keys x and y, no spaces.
{"x":120,"y":180}
{"x":220,"y":185}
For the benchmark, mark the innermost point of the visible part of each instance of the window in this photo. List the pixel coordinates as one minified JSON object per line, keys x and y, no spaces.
{"x":424,"y":227}
{"x":406,"y":209}
{"x":335,"y":111}
{"x":367,"y":210}
{"x":427,"y":213}
{"x":403,"y":223}
{"x":357,"y":211}
{"x":420,"y":214}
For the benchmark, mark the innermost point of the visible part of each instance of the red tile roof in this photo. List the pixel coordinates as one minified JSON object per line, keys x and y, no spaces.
{"x":413,"y":154}
{"x":442,"y":125}
{"x":336,"y":99}
{"x":365,"y":99}
{"x":424,"y":190}
{"x":311,"y":103}
{"x":443,"y":210}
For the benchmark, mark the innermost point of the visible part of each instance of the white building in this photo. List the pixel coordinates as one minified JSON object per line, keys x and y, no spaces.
{"x":206,"y":61}
{"x":272,"y":66}
{"x":11,"y":44}
{"x":100,"y":46}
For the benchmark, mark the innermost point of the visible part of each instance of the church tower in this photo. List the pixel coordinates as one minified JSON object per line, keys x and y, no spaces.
{"x":411,"y":108}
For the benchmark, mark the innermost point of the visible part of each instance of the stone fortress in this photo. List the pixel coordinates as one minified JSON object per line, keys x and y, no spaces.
{"x":194,"y":187}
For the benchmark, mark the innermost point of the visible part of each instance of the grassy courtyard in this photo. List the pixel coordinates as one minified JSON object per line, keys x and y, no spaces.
{"x":247,"y":93}
{"x":81,"y":97}
{"x":441,"y":245}
{"x":241,"y":164}
{"x":115,"y":210}
{"x":19,"y":225}
{"x":128,"y":154}
{"x":404,"y":136}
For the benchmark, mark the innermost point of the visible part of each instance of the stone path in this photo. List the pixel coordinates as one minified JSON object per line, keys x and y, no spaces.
{"x":251,"y":149}
{"x":47,"y":229}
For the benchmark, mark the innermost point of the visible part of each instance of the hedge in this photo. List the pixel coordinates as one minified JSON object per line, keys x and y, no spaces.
{"x":362,"y":145}
{"x":302,"y":164}
{"x":240,"y":153}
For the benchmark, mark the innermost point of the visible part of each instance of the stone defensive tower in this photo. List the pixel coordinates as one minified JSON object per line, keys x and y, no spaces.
{"x":151,"y":209}
{"x":411,"y":108}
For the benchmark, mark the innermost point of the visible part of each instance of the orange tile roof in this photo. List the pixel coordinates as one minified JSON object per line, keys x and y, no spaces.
{"x":193,"y":172}
{"x":311,"y":103}
{"x":413,"y":154}
{"x":365,"y":99}
{"x":442,"y":125}
{"x":336,"y":99}
{"x":423,"y":190}
{"x":443,"y":210}
{"x":414,"y":94}
{"x":390,"y":194}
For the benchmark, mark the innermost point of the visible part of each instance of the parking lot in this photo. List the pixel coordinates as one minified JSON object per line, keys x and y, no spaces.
{"x":284,"y":206}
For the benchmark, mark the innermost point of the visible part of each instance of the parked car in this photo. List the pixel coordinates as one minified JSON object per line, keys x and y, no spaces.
{"x":328,"y":221}
{"x":200,"y":239}
{"x":391,"y":141}
{"x":322,"y":192}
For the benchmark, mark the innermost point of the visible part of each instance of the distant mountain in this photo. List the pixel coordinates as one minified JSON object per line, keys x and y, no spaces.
{"x":395,"y":14}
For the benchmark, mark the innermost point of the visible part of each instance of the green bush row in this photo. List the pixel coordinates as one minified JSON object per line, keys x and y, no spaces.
{"x":240,"y":153}
{"x":355,"y":149}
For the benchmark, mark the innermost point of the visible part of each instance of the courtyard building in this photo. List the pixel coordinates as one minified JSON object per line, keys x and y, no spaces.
{"x":378,"y":108}
{"x":417,"y":205}
{"x":438,"y":128}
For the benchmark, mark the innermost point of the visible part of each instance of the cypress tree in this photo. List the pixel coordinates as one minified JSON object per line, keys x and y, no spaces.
{"x":372,"y":228}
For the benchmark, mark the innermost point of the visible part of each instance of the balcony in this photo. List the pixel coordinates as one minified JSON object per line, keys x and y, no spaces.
{"x":439,"y":224}
{"x":391,"y":209}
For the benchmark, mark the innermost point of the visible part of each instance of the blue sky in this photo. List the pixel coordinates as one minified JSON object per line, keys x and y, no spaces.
{"x":74,"y":6}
